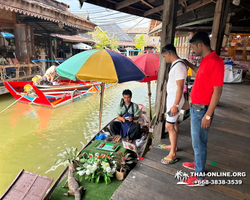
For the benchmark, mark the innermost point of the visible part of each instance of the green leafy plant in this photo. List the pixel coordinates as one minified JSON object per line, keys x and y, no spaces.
{"x":93,"y":167}
{"x":68,"y":156}
{"x":113,"y":42}
{"x":100,"y":37}
{"x":140,"y":43}
{"x":123,"y":161}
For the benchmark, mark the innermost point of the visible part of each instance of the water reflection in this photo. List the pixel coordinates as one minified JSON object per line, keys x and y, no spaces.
{"x":32,"y":136}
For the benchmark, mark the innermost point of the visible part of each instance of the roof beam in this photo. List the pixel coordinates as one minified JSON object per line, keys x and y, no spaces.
{"x":194,"y":6}
{"x":189,"y":8}
{"x":196,"y":22}
{"x":125,"y":3}
{"x":154,"y":10}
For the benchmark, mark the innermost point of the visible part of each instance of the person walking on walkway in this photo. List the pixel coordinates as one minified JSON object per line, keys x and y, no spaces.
{"x":205,"y":95}
{"x":175,"y":99}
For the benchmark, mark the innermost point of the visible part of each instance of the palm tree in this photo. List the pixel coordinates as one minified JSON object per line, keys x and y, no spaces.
{"x":178,"y":175}
{"x":185,"y":176}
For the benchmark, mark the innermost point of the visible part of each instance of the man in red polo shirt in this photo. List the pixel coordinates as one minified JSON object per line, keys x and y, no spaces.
{"x":205,"y":95}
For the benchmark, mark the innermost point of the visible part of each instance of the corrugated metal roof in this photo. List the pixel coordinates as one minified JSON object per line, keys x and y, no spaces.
{"x":72,"y":38}
{"x":117,"y":31}
{"x":38,"y":9}
{"x":83,"y":16}
{"x":138,"y":30}
{"x":86,"y":36}
{"x":52,"y":3}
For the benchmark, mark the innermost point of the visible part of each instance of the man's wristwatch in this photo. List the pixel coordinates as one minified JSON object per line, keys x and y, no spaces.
{"x":208,"y":117}
{"x":177,"y":106}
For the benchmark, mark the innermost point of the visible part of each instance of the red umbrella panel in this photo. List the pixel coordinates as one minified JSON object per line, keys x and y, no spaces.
{"x":149,"y":64}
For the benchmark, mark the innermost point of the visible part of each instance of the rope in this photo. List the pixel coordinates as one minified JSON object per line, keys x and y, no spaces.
{"x":11,"y":105}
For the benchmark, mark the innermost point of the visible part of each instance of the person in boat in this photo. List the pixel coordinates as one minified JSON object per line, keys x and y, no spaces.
{"x":127,"y":112}
{"x":48,"y":77}
{"x":50,"y":73}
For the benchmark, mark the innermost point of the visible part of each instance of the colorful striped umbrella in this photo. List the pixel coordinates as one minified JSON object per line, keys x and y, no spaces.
{"x":100,"y":65}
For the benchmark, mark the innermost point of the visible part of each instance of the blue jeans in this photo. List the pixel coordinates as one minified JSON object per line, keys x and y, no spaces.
{"x":199,"y":140}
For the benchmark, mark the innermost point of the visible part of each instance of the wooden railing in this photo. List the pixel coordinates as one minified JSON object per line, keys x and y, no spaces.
{"x":23,"y":71}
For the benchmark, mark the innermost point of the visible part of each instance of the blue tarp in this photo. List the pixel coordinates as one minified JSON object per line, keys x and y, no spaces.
{"x":7,"y":35}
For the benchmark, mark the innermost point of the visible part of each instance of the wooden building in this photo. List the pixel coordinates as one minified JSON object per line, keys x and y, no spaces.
{"x":31,"y":21}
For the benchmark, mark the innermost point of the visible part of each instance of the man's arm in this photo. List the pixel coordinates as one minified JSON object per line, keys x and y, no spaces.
{"x":119,"y":113}
{"x":214,"y":100}
{"x":179,"y":92}
{"x":193,"y":67}
{"x":213,"y":103}
{"x":122,"y":119}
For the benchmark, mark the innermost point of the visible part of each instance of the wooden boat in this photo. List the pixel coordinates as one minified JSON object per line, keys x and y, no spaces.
{"x":65,"y":91}
{"x":27,"y":186}
{"x":144,"y":147}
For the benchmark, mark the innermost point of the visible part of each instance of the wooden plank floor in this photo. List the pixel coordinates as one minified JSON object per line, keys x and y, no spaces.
{"x":228,"y":147}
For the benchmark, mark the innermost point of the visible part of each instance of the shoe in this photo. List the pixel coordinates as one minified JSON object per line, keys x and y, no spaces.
{"x":193,"y":181}
{"x":189,"y":165}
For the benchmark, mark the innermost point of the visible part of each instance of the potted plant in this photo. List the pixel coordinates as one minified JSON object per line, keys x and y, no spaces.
{"x":93,"y":167}
{"x":122,"y":160}
{"x":70,"y":156}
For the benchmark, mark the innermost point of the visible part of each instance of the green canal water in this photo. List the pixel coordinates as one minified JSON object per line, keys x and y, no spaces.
{"x":31,"y":136}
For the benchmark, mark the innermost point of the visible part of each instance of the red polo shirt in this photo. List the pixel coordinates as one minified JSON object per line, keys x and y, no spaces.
{"x":210,"y":74}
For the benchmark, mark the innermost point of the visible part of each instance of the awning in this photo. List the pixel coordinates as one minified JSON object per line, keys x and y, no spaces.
{"x":75,"y":38}
{"x":7,"y":35}
{"x":81,"y":46}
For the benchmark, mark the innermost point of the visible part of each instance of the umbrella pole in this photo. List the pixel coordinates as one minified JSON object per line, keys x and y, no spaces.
{"x":101,"y":105}
{"x":149,"y":99}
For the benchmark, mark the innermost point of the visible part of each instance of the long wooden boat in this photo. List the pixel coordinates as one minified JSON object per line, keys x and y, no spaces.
{"x":144,"y":147}
{"x":52,"y":96}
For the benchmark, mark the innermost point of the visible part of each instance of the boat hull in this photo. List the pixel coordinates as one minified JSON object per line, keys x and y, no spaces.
{"x":53,"y":95}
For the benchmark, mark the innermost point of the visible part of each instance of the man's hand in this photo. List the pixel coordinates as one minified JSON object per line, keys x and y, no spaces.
{"x":189,"y":64}
{"x":123,"y":119}
{"x":130,"y":119}
{"x":174,"y":111}
{"x":205,"y":123}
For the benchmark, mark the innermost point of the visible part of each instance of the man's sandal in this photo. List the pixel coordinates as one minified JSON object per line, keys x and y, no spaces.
{"x":162,"y":146}
{"x":169,"y":159}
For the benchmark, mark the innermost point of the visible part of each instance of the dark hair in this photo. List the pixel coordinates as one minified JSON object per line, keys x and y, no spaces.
{"x":127,"y":92}
{"x":169,"y":48}
{"x":200,"y":37}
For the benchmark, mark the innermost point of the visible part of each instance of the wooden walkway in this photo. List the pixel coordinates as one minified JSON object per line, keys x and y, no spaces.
{"x":228,"y":146}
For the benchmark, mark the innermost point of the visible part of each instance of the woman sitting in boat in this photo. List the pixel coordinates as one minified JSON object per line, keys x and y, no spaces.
{"x":127,"y":113}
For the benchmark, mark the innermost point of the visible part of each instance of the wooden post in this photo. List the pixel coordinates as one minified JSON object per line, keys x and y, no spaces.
{"x":149,"y":100}
{"x":227,"y":31}
{"x":1,"y":72}
{"x":49,"y":56}
{"x":101,"y":105}
{"x":167,"y":37}
{"x":219,"y":23}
